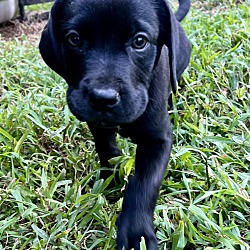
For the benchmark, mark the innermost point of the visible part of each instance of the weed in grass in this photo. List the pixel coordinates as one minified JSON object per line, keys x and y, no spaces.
{"x":51,"y":196}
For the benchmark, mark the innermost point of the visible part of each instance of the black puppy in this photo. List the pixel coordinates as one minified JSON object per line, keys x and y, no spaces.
{"x":121,"y":59}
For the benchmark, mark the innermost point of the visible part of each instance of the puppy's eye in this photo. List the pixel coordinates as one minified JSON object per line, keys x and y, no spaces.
{"x":73,"y":39}
{"x":140,"y":42}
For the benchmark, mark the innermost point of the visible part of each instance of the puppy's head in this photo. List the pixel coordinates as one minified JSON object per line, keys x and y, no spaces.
{"x":107,"y":51}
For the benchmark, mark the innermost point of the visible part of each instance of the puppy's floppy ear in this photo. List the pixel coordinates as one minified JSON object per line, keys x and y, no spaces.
{"x":178,"y":45}
{"x":50,"y":47}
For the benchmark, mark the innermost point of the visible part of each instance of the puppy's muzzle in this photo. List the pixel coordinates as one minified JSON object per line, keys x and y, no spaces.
{"x":104,"y":99}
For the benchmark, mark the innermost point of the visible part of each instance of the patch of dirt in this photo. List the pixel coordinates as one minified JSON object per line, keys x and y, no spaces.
{"x":31,"y":27}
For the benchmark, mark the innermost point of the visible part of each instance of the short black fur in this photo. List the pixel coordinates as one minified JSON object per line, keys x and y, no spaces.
{"x":121,"y":60}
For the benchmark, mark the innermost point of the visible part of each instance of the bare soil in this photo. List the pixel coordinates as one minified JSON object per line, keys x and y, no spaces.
{"x":31,"y":27}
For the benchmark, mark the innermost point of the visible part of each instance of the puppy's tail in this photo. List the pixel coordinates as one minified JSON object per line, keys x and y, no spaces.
{"x":184,"y":6}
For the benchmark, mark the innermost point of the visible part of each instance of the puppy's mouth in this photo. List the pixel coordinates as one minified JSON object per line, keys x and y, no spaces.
{"x":104,"y":124}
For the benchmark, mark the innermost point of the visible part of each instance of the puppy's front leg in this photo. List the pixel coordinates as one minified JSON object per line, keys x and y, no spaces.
{"x":136,"y":218}
{"x":105,"y":143}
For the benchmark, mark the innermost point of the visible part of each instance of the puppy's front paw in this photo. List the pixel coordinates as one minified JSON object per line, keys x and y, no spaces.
{"x":131,"y":227}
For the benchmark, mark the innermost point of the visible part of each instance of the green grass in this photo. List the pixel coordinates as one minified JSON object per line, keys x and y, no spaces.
{"x":51,"y":196}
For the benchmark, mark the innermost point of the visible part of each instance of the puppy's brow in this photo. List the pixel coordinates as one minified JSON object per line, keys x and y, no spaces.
{"x":144,"y":26}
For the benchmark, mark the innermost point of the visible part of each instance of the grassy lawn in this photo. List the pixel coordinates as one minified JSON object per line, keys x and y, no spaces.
{"x":51,"y":196}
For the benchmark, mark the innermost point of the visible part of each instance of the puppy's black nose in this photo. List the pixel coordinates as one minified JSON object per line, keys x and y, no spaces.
{"x":103,"y":98}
